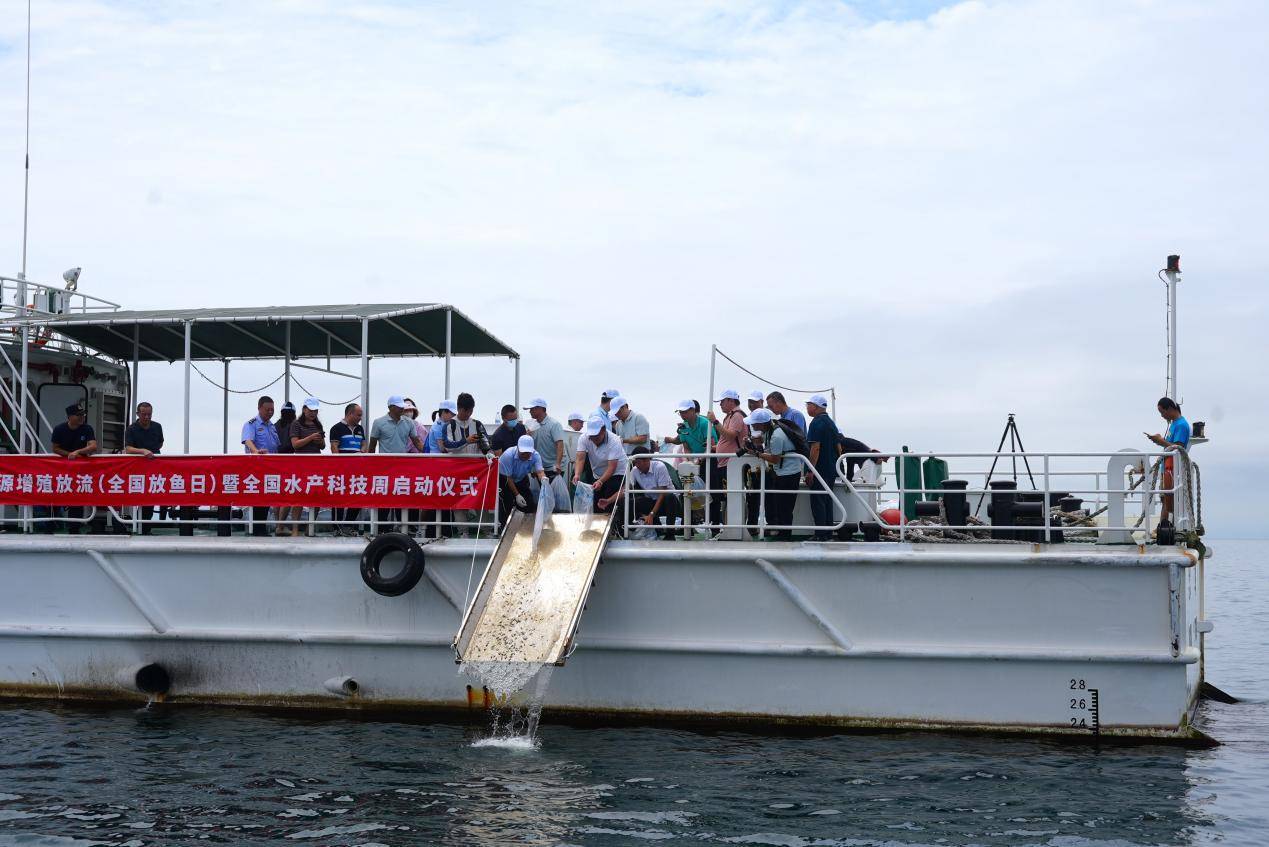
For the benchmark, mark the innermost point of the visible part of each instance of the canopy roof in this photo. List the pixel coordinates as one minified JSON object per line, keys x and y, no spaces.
{"x":394,"y":329}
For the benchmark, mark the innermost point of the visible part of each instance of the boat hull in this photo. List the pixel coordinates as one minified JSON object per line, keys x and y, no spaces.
{"x":1008,"y":638}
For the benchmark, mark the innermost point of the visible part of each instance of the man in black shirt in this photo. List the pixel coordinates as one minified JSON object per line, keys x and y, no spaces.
{"x":508,"y":433}
{"x":74,"y":438}
{"x":349,"y":438}
{"x":70,"y":440}
{"x":144,"y":438}
{"x":854,"y":445}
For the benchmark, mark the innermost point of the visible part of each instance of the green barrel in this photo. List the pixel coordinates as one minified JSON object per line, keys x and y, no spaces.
{"x":911,"y":478}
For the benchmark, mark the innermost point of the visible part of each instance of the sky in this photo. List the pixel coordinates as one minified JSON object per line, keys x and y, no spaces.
{"x":947,"y":211}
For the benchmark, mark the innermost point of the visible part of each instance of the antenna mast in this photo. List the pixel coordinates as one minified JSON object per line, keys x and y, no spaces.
{"x":26,"y":186}
{"x":1172,"y":277}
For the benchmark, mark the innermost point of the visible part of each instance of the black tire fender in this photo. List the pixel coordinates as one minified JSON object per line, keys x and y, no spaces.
{"x":372,"y":558}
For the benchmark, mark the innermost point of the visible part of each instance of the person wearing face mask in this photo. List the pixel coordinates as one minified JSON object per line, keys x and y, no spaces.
{"x":434,"y":519}
{"x":508,"y":432}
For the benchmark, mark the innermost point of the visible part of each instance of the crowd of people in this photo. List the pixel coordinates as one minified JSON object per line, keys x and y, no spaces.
{"x":614,"y":448}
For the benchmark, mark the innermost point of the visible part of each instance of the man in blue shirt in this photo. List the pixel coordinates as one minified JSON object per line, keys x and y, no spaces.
{"x":1178,"y":436}
{"x":259,"y":437}
{"x":515,"y":466}
{"x":779,"y":408}
{"x":822,"y":441}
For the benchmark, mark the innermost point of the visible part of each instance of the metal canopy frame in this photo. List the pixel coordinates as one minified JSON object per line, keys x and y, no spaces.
{"x":350,"y":331}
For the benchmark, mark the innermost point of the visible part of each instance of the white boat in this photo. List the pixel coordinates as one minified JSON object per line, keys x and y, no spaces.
{"x":1088,"y":630}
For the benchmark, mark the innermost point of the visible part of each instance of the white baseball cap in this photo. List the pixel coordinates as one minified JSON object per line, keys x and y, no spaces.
{"x":594,"y":425}
{"x":536,"y":402}
{"x":311,"y":403}
{"x":685,"y":406}
{"x":397,"y":400}
{"x":759,"y":416}
{"x":819,"y":400}
{"x":448,"y":406}
{"x":757,"y":396}
{"x":576,"y":416}
{"x":617,"y":403}
{"x":525,"y":444}
{"x":611,"y":393}
{"x":727,"y":394}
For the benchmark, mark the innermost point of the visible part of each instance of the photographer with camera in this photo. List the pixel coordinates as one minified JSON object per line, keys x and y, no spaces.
{"x":784,"y":475}
{"x":693,"y":434}
{"x":464,"y":434}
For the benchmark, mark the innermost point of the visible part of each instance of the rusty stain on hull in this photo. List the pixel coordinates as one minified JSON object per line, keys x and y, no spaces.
{"x":413,"y":711}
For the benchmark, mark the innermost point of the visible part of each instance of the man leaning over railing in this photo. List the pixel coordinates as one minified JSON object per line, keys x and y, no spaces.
{"x":72,"y":439}
{"x":144,"y":437}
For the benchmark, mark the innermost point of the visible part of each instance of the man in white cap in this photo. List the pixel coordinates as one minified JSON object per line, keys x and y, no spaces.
{"x":394,"y":432}
{"x":755,"y":400}
{"x":576,"y":420}
{"x":548,"y":438}
{"x":607,"y":460}
{"x":634,"y":429}
{"x":730,"y":433}
{"x":822,"y":440}
{"x":695,"y":434}
{"x":782,"y":478}
{"x":605,"y":406}
{"x":515,"y":466}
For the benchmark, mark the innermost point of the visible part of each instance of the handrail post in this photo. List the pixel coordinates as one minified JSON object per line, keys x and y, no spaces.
{"x":365,"y":366}
{"x":1046,"y":511}
{"x":189,"y":329}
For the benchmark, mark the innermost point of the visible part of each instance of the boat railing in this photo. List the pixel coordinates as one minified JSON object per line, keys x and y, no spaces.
{"x":949,"y":512}
{"x":46,"y":300}
{"x":1107,"y":489}
{"x":745,"y":479}
{"x":1112,"y":507}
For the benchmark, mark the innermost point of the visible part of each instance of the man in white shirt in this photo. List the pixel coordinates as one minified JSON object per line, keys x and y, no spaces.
{"x":607,"y":461}
{"x":634,"y":428}
{"x":654,"y":496}
{"x":576,"y":420}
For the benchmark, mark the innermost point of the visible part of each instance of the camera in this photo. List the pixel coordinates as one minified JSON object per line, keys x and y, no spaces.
{"x":748,"y":448}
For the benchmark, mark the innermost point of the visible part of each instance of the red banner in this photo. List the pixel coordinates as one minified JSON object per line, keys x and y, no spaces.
{"x":377,"y":480}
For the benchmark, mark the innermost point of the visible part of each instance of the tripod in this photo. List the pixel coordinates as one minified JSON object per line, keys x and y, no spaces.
{"x":1015,"y":446}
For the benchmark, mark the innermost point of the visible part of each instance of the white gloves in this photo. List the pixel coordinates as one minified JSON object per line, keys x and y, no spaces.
{"x":521,"y":502}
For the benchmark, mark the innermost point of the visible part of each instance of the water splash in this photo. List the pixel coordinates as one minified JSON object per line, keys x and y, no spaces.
{"x":514,"y":719}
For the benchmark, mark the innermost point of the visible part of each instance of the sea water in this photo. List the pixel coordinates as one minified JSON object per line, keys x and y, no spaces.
{"x":164,"y":776}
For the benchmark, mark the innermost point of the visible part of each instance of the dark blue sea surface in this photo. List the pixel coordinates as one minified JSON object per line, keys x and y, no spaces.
{"x":198,"y":776}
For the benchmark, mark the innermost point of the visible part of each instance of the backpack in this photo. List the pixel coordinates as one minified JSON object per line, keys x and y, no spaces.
{"x":790,"y":429}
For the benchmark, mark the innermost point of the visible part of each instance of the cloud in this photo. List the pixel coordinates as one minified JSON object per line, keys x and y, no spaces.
{"x":948,"y":211}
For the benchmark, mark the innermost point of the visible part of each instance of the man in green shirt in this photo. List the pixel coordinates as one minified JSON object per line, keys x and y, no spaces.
{"x":694,"y":434}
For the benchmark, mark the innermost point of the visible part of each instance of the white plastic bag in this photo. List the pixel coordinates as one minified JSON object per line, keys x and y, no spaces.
{"x":559,"y":488}
{"x":644,"y":533}
{"x":546,"y":505}
{"x":583,"y":499}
